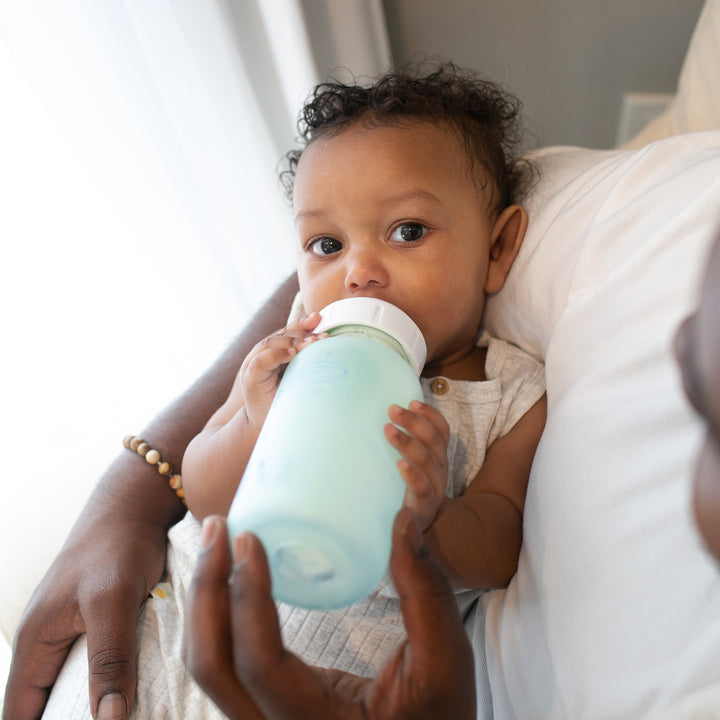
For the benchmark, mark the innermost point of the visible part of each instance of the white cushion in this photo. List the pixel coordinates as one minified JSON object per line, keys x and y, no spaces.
{"x":615,"y":609}
{"x":696,"y":105}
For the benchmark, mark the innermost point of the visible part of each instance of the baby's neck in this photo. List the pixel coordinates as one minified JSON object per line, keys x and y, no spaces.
{"x":468,"y":366}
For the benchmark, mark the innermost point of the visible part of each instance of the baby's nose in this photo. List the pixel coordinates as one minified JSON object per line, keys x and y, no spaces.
{"x":365,"y":270}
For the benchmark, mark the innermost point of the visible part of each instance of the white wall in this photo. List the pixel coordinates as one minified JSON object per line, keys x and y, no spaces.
{"x":569,"y":61}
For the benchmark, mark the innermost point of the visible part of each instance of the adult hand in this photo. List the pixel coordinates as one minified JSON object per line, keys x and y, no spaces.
{"x":115,"y":554}
{"x":233,"y":646}
{"x":98,"y":582}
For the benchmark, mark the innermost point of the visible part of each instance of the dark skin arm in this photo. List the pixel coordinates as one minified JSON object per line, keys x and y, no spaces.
{"x":233,"y":648}
{"x":115,"y":552}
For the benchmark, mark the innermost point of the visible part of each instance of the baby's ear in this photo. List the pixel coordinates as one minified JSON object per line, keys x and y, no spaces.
{"x":507,"y":236}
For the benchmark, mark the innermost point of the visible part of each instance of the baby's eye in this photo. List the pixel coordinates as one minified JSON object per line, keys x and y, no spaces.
{"x":409,"y":232}
{"x":325,"y":246}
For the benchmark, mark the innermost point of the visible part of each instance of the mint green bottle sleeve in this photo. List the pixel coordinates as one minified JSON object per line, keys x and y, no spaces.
{"x":321,"y":488}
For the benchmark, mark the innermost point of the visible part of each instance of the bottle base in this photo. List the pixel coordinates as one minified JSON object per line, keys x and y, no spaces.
{"x":317,"y":568}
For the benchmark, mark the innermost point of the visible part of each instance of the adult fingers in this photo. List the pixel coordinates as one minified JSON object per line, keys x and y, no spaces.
{"x":207,"y":644}
{"x":442,"y":668}
{"x":111,"y":621}
{"x":41,"y":644}
{"x":283,"y":687}
{"x":45,"y":637}
{"x":110,"y":595}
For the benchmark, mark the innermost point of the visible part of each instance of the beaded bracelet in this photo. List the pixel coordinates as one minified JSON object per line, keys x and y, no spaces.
{"x":152,"y":456}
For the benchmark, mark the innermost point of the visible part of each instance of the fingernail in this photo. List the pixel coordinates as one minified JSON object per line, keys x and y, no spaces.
{"x":209,"y":530}
{"x":240,"y":549}
{"x":112,"y":707}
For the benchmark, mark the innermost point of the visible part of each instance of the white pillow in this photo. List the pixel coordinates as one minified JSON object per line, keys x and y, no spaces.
{"x":615,"y":609}
{"x":696,"y":105}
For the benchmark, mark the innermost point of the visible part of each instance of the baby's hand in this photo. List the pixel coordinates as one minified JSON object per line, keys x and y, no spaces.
{"x":423,"y":447}
{"x":263,"y":367}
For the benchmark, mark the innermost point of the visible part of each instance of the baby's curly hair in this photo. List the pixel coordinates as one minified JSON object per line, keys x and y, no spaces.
{"x":485,"y":117}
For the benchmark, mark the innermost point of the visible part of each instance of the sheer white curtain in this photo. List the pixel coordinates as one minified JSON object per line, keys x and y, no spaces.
{"x":140,"y":217}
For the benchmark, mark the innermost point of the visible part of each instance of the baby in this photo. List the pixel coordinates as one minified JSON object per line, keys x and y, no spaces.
{"x":403,"y":191}
{"x":698,"y":351}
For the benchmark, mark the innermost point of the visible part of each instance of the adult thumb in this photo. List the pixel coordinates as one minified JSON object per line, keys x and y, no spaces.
{"x":111,"y":646}
{"x":442,"y":656}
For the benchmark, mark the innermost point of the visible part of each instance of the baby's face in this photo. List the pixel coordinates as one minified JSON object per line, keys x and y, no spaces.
{"x":393,"y":213}
{"x":698,"y":349}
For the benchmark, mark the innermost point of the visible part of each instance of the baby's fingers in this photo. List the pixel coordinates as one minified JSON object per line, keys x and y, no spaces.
{"x":426,"y":425}
{"x":302,"y":327}
{"x":310,"y":322}
{"x":277,"y":350}
{"x":422,"y":493}
{"x":265,"y":363}
{"x":425,"y":482}
{"x":420,"y":434}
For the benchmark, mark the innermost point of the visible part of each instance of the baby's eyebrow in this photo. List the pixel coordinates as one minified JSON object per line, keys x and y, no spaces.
{"x":387,"y":201}
{"x":303,"y":214}
{"x":415,"y":194}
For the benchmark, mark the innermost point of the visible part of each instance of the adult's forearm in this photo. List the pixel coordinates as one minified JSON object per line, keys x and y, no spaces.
{"x":116,"y":550}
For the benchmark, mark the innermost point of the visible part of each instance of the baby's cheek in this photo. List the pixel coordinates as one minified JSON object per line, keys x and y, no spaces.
{"x":706,"y":498}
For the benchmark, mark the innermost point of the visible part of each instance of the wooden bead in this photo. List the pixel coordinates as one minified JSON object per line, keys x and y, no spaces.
{"x":152,"y":456}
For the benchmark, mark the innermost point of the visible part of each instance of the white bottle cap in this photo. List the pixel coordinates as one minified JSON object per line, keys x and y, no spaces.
{"x":382,"y":316}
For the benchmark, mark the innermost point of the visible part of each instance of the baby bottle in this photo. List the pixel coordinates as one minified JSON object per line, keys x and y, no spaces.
{"x":321,"y":488}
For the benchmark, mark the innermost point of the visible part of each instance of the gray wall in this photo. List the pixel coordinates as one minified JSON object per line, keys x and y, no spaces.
{"x":569,"y":61}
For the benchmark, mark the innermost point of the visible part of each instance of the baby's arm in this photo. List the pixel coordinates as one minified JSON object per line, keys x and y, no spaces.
{"x":216,"y":458}
{"x":477,"y":536}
